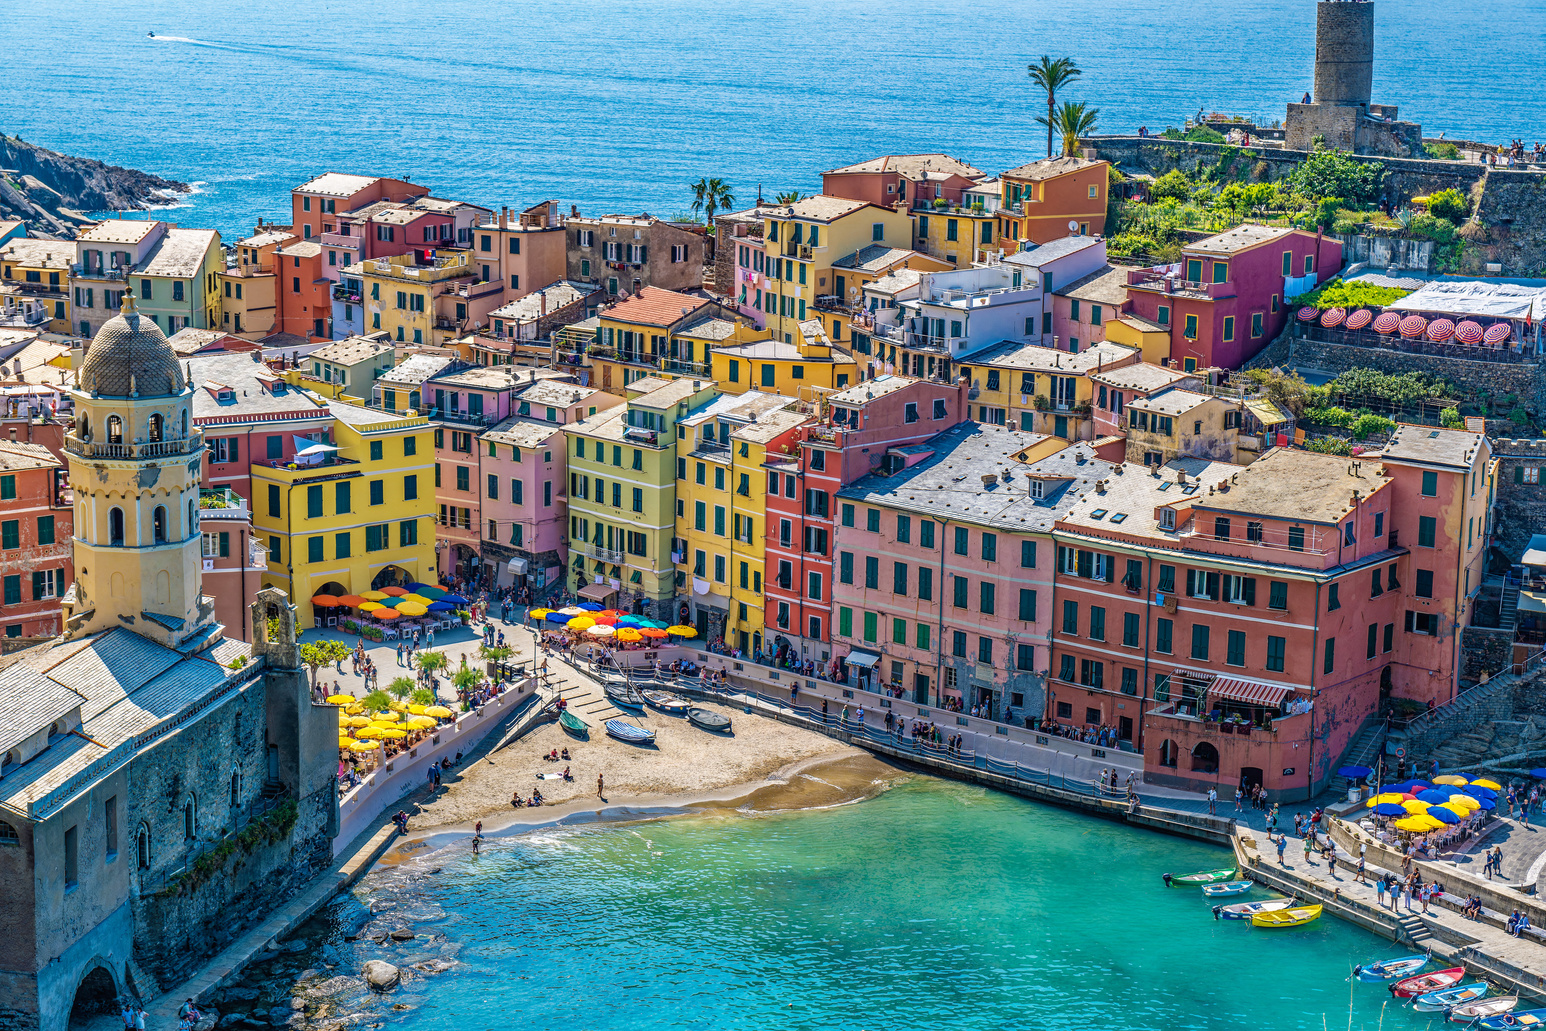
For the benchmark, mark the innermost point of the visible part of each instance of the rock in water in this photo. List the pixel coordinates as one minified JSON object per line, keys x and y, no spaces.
{"x":403,"y":934}
{"x":381,"y":976}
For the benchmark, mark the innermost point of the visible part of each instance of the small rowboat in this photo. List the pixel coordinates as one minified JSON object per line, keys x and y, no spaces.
{"x":1390,"y":969}
{"x":1469,"y":1011}
{"x":1435,"y":1002}
{"x":1204,"y":877}
{"x":1295,"y":917}
{"x":1226,"y":888}
{"x":1514,"y":1021}
{"x":572,"y":723}
{"x":625,"y":731}
{"x":1246,"y":910}
{"x":1422,"y":984}
{"x":623,"y":694}
{"x":707,"y":719}
{"x":665,"y":701}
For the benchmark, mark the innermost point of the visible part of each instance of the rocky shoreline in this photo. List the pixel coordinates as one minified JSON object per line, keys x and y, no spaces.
{"x":53,"y":191}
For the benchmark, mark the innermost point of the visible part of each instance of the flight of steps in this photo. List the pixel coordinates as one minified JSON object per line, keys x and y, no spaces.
{"x":1414,"y":929}
{"x":1509,"y":612}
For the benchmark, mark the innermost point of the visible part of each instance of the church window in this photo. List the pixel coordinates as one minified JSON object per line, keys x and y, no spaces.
{"x":155,"y":426}
{"x":115,"y":526}
{"x":158,"y":524}
{"x":114,"y":430}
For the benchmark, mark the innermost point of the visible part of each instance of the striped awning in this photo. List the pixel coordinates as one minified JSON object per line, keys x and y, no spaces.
{"x":1248,"y":692}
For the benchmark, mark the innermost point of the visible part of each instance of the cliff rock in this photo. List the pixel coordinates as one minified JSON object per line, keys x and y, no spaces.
{"x":50,"y":191}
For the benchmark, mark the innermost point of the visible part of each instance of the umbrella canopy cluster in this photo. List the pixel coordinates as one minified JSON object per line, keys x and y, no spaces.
{"x":1427,"y":807}
{"x":1412,"y":327}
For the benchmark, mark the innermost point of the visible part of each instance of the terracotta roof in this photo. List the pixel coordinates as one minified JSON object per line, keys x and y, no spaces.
{"x":826,"y":209}
{"x":912,"y":166}
{"x":265,"y":238}
{"x":1049,"y":168}
{"x":652,"y":306}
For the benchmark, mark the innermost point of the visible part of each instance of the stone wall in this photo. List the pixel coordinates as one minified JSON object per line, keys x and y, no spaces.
{"x":1486,"y":650}
{"x":1520,"y":509}
{"x":1385,"y":250}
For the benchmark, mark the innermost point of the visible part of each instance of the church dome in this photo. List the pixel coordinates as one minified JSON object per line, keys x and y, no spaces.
{"x":131,"y":356}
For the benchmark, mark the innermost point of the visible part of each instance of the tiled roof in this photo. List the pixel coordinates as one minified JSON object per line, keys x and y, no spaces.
{"x":652,"y":306}
{"x":896,"y":281}
{"x":415,"y":369}
{"x":1135,"y":494}
{"x":300,"y":249}
{"x":822,"y":208}
{"x":51,"y":254}
{"x":1426,"y":444}
{"x":711,"y":328}
{"x":530,"y":308}
{"x":337,"y":184}
{"x":1051,"y":251}
{"x":265,"y":238}
{"x":360,"y":417}
{"x":352,"y":350}
{"x":180,"y":253}
{"x":118,"y":230}
{"x":668,"y":394}
{"x":29,"y":702}
{"x":1171,"y":402}
{"x":870,"y":389}
{"x":556,"y":393}
{"x":257,"y":394}
{"x":1107,"y":285}
{"x":522,"y":432}
{"x":1287,"y":483}
{"x":1240,"y":238}
{"x":912,"y":166}
{"x":1049,"y":168}
{"x":1140,"y":376}
{"x":876,"y":257}
{"x":1017,"y":354}
{"x":17,"y":455}
{"x":769,"y":425}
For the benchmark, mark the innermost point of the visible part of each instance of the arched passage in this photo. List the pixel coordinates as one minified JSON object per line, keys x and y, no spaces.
{"x":96,"y":995}
{"x":391,"y":576}
{"x":1205,"y":758}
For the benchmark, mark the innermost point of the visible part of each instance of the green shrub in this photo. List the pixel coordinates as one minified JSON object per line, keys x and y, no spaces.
{"x":1368,"y":424}
{"x":1431,"y":227}
{"x":1260,"y":171}
{"x":1519,"y":417}
{"x":1335,"y":173}
{"x":1173,"y":183}
{"x":1342,"y":293}
{"x":1450,"y":204}
{"x":1442,"y":151}
{"x":1450,"y":419}
{"x":1331,"y":415}
{"x":1330,"y":446}
{"x":1203,"y":134}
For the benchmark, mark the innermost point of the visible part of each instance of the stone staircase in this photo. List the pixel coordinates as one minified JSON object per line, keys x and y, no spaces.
{"x":1414,"y":929}
{"x":1365,"y":748}
{"x":1508,"y":613}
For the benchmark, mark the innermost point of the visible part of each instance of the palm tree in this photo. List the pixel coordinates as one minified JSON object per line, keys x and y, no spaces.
{"x":793,"y":197}
{"x":709,"y":196}
{"x":1052,"y":76}
{"x":1070,"y":121}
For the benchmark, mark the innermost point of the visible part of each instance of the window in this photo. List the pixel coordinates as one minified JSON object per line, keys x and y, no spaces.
{"x":985,"y":597}
{"x":959,"y":584}
{"x":899,"y":631}
{"x":1257,"y":326}
{"x":1276,"y":647}
{"x":1388,"y":638}
{"x":1092,"y":674}
{"x":1277,"y":595}
{"x":1190,"y":330}
{"x":872,"y":520}
{"x":926,"y":535}
{"x":958,"y":644}
{"x":899,"y":578}
{"x":1235,"y":648}
{"x":1426,"y":623}
{"x":1130,"y":624}
{"x":1027,"y":605}
{"x":1025,"y":657}
{"x":1070,"y":617}
{"x":377,"y":492}
{"x":1296,"y":538}
{"x":961,"y":540}
{"x":1374,"y":633}
{"x":1333,"y":600}
{"x":1229,"y":324}
{"x":10,"y":534}
{"x":1167,"y":580}
{"x":72,"y":872}
{"x":1330,"y":662}
{"x":1097,"y":623}
{"x":990,"y":547}
{"x":1200,"y":641}
{"x":1027,"y":554}
{"x":1221,"y":528}
{"x":813,"y":586}
{"x":1430,"y":485}
{"x":1423,"y":588}
{"x":1427,"y":531}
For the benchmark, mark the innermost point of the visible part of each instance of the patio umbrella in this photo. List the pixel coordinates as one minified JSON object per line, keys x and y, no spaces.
{"x":416,"y":709}
{"x":601,"y":630}
{"x":1497,"y":333}
{"x":602,"y":619}
{"x":454,"y":599}
{"x":1418,"y":824}
{"x":385,"y":613}
{"x":385,"y":714}
{"x":417,"y":599}
{"x":532,"y":614}
{"x":682,"y":631}
{"x":1359,"y":319}
{"x":1387,"y":322}
{"x":1412,"y":786}
{"x":592,"y":606}
{"x":344,"y":743}
{"x":1412,"y":326}
{"x":1440,"y":330}
{"x":394,"y":591}
{"x":368,"y":733}
{"x":1450,"y":779}
{"x":409,"y":608}
{"x":1333,"y":317}
{"x":365,"y":746}
{"x":1415,"y":806}
{"x":355,"y":709}
{"x":1308,"y":313}
{"x":1389,"y":809}
{"x":1391,"y":797}
{"x":423,"y":722}
{"x":358,"y":721}
{"x":437,"y":710}
{"x":1356,"y":772}
{"x":657,"y":624}
{"x":1470,"y":803}
{"x":440,"y":606}
{"x":1468,"y":332}
{"x":1457,"y":808}
{"x":614,"y":613}
{"x":628,"y":633}
{"x":1476,"y":791}
{"x":1433,"y":796}
{"x":558,"y":617}
{"x":654,"y":632}
{"x":1486,"y":805}
{"x":580,"y":623}
{"x":397,"y":707}
{"x":326,"y":601}
{"x":374,"y":596}
{"x":1538,"y":773}
{"x":370,"y":606}
{"x":394,"y":734}
{"x":353,"y":601}
{"x":1443,"y":815}
{"x":340,"y":699}
{"x":430,"y":592}
{"x":572,"y":610}
{"x":1490,"y":784}
{"x":419,"y":587}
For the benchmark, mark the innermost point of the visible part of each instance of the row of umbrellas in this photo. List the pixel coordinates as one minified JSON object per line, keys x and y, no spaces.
{"x":366,"y":731}
{"x":394,"y":602}
{"x":1411,"y":327}
{"x":1423,"y":807}
{"x":602,"y":623}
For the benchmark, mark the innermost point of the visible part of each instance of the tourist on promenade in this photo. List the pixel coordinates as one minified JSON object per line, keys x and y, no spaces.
{"x":1379,"y":891}
{"x":1331,"y":863}
{"x":1282,"y":847}
{"x":1239,"y":797}
{"x":1361,"y":869}
{"x":1309,"y":846}
{"x":1213,"y":800}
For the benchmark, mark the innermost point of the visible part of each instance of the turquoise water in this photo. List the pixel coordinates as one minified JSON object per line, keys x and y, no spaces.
{"x":617,"y":106}
{"x":934,"y":905}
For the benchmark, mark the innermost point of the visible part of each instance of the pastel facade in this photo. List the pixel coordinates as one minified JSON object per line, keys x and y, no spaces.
{"x":521,"y":251}
{"x":36,"y":525}
{"x":35,"y":283}
{"x":1040,"y":389}
{"x":909,"y":178}
{"x":105,"y":253}
{"x":249,"y":414}
{"x":658,"y":333}
{"x":1041,"y":199}
{"x":802,"y":369}
{"x":407,"y":296}
{"x":303,"y":296}
{"x":333,"y":194}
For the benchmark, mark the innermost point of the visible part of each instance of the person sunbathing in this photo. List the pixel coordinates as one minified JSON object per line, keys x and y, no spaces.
{"x":567,"y":775}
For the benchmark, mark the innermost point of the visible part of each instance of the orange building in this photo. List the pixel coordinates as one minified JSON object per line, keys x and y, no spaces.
{"x":1040,"y":199}
{"x":914,"y":178}
{"x":334,"y":193}
{"x":303,"y":302}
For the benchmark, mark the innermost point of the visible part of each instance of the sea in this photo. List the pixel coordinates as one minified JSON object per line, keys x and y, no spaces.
{"x":932,"y":905}
{"x":618,"y":106}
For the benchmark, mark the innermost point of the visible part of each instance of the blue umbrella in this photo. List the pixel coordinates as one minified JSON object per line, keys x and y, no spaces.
{"x":1443,"y":815}
{"x":1477,"y":791}
{"x":440,"y":606}
{"x":454,"y":599}
{"x":558,"y":617}
{"x":1487,"y":804}
{"x":1412,"y":786}
{"x":1538,"y":774}
{"x":419,"y":587}
{"x":591,"y":606}
{"x":1433,"y":796}
{"x":1390,"y":809}
{"x":1356,"y":772}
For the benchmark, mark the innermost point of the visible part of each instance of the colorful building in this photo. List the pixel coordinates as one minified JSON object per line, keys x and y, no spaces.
{"x":853,"y":274}
{"x":234,"y":562}
{"x":249,"y":301}
{"x":657,"y":333}
{"x":1040,"y":389}
{"x":521,"y":251}
{"x":520,"y":332}
{"x":802,"y":369}
{"x":35,"y":283}
{"x":910,"y":178}
{"x":407,"y":296}
{"x":624,"y":254}
{"x":1081,"y":310}
{"x":351,"y":365}
{"x":323,"y":200}
{"x":1116,"y":388}
{"x":768,"y":446}
{"x":177,"y":281}
{"x":1041,"y":199}
{"x":303,"y":296}
{"x":36,"y":526}
{"x":105,"y":253}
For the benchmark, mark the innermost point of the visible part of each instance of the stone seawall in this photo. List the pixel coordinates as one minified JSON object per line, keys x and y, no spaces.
{"x":1521,"y":505}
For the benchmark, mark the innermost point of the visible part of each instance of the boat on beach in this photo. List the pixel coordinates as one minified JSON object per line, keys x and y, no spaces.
{"x":623,"y":694}
{"x":629,"y":732}
{"x":1444,"y":998}
{"x":1226,"y":888}
{"x":1469,"y":1011}
{"x":707,"y":719}
{"x":665,"y":701}
{"x":1296,"y":916}
{"x":1422,"y":984}
{"x":1246,"y":910}
{"x":572,"y":723}
{"x":1203,"y":877}
{"x":1514,"y":1021}
{"x":1390,"y":969}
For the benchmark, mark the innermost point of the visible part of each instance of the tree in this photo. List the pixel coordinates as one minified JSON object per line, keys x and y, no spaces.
{"x":1071,"y":122}
{"x":1449,"y":203}
{"x":400,"y":687}
{"x":1334,"y":173}
{"x":376,"y":701}
{"x":1052,"y":76}
{"x":432,"y":662}
{"x":466,"y":678}
{"x":709,"y":196}
{"x":423,"y":696}
{"x":322,"y":653}
{"x":792,"y":197}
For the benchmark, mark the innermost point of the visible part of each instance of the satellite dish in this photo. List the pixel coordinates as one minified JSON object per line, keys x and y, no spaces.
{"x":1073,"y":226}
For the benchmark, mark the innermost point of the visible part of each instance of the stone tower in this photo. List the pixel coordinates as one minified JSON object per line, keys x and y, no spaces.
{"x":1344,"y":52}
{"x":1340,"y":114}
{"x":135,"y":465}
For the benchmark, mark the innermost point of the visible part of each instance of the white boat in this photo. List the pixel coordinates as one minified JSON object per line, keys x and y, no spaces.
{"x":1246,"y":910}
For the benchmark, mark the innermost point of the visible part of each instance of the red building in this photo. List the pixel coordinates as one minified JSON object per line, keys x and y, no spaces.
{"x":1228,"y":296}
{"x":303,"y":299}
{"x":917,"y":179}
{"x":248,"y":413}
{"x":36,"y":523}
{"x":333,"y":194}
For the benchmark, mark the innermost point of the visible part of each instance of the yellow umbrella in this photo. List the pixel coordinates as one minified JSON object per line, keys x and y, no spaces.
{"x":368,"y":733}
{"x":417,"y":599}
{"x":682,"y":631}
{"x":1455,"y":807}
{"x":1389,"y":796}
{"x":416,"y":709}
{"x":437,"y":710}
{"x":386,"y":714}
{"x":340,"y":699}
{"x":628,"y":633}
{"x":1450,"y":779}
{"x":371,"y":606}
{"x":1465,"y":802}
{"x":358,"y":721}
{"x":395,"y":735}
{"x":412,"y":608}
{"x":355,"y":709}
{"x":365,"y":746}
{"x":383,"y":724}
{"x":345,"y":742}
{"x":1415,"y":823}
{"x":538,"y":614}
{"x":397,"y":706}
{"x":580,"y":623}
{"x":1415,"y":807}
{"x":1484,"y":783}
{"x":375,"y":596}
{"x":423,"y":722}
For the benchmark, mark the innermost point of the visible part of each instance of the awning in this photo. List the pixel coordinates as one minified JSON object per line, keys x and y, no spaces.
{"x":596,"y":592}
{"x":1248,"y":692}
{"x":1267,"y":413}
{"x":1532,"y":601}
{"x":859,"y":657}
{"x":1535,"y":553}
{"x":517,"y":566}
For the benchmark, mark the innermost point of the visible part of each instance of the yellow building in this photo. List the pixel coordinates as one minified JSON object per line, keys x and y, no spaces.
{"x":658,"y":333}
{"x":802,"y":242}
{"x":761,"y":451}
{"x":353,"y":516}
{"x":958,"y":235}
{"x":1039,"y":389}
{"x":247,"y":302}
{"x":35,"y":283}
{"x":1150,"y":338}
{"x":785,"y":369}
{"x":401,"y":295}
{"x":852,"y":273}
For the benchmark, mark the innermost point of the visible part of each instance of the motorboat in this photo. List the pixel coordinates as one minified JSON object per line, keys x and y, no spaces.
{"x":1226,"y":888}
{"x":1202,"y":877}
{"x":1445,"y":998}
{"x":1390,"y":969}
{"x":1422,"y":984}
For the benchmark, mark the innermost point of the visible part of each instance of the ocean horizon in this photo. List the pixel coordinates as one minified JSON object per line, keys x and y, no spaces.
{"x":617,"y":109}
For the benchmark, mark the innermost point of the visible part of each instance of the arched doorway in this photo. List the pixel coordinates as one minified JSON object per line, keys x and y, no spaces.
{"x":95,"y":996}
{"x":391,"y":576}
{"x":1205,"y":758}
{"x":1169,"y":752}
{"x":333,"y":588}
{"x":1250,"y":777}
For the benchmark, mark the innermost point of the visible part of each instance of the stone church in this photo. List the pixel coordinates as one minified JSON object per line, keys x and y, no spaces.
{"x":162,"y":787}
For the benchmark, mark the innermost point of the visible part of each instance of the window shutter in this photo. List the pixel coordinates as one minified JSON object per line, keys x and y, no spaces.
{"x":1191,"y":583}
{"x":644,"y":253}
{"x":1250,"y":590}
{"x":1519,"y":474}
{"x":225,"y":545}
{"x":37,"y":584}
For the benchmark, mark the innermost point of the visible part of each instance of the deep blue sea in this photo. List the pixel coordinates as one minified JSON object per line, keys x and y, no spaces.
{"x":618,"y":106}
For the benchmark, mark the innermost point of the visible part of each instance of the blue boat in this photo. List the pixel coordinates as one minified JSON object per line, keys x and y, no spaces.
{"x":1227,"y":888}
{"x":1390,"y":969}
{"x":1514,"y":1021}
{"x":1444,"y":998}
{"x":625,"y":731}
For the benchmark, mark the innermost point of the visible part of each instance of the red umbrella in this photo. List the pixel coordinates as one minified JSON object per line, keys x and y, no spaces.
{"x":1497,"y":333}
{"x":1468,"y":332}
{"x":605,"y":619}
{"x":1387,"y":322}
{"x":1308,"y":313}
{"x":1412,"y":326}
{"x":1359,"y":319}
{"x":1333,"y":317}
{"x":1440,"y":330}
{"x":396,"y":592}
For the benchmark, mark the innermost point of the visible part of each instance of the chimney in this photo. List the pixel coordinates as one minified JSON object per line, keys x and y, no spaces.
{"x":543,"y":308}
{"x":504,"y":215}
{"x":1100,"y":486}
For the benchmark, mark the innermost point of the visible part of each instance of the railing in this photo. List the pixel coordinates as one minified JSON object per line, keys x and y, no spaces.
{"x":462,"y":418}
{"x":685,"y":368}
{"x":340,"y":240}
{"x":249,"y":269}
{"x":98,"y":272}
{"x":607,"y":555}
{"x":289,"y":463}
{"x":22,"y":286}
{"x":220,"y":499}
{"x":711,"y":446}
{"x":344,"y":294}
{"x":1395,"y":342}
{"x":149,"y":449}
{"x":24,"y":318}
{"x":1147,"y":279}
{"x":647,"y":437}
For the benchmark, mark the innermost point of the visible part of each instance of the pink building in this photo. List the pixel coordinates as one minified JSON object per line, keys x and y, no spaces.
{"x":943,"y":570}
{"x":1115,"y":389}
{"x":1080,"y":309}
{"x":522,"y":464}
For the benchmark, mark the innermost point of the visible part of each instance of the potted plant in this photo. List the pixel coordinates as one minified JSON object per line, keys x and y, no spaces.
{"x":940,"y":203}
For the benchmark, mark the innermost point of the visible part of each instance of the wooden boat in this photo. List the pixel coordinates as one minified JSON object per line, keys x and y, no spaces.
{"x":631,"y":733}
{"x":1444,"y":998}
{"x":572,"y":723}
{"x":623,"y":694}
{"x":1422,"y":984}
{"x":1469,"y":1011}
{"x":1204,"y":877}
{"x":665,"y":701}
{"x":1390,"y":969}
{"x":1296,"y":916}
{"x":1226,"y":888}
{"x":1514,"y":1021}
{"x":1246,"y":910}
{"x":707,"y":719}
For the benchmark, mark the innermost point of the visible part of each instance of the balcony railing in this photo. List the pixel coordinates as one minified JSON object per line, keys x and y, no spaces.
{"x":346,"y":240}
{"x":22,"y":286}
{"x":290,"y":463}
{"x":344,"y":294}
{"x":24,"y":318}
{"x":98,"y":272}
{"x":249,"y":270}
{"x":143,"y":449}
{"x":221,"y":499}
{"x":647,"y":437}
{"x":685,"y":368}
{"x":596,"y":551}
{"x":453,"y":415}
{"x":1151,"y":280}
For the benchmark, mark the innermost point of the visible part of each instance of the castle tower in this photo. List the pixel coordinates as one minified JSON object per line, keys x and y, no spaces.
{"x":1344,"y":52}
{"x":135,"y":464}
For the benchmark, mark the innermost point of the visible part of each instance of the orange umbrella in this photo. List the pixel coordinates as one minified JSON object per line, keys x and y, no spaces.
{"x":650,"y":631}
{"x":614,"y":613}
{"x":604,"y":619}
{"x":385,"y":613}
{"x":354,"y":601}
{"x":396,"y":592}
{"x":327,"y":601}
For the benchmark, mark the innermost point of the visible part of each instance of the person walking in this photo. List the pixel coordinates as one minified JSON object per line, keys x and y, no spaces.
{"x":1361,"y":869}
{"x":601,"y":787}
{"x":1406,"y":896}
{"x":1282,"y":847}
{"x":1379,"y":891}
{"x":1239,"y":797}
{"x":1213,"y":799}
{"x":1308,"y":848}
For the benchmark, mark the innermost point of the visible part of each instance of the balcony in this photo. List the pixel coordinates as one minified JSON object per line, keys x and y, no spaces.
{"x":98,"y":272}
{"x":221,"y":501}
{"x":1148,"y":279}
{"x":454,"y":416}
{"x":683,"y":367}
{"x":344,"y":240}
{"x":24,"y":287}
{"x":129,"y":452}
{"x":323,"y":462}
{"x":646,"y":437}
{"x":347,"y":295}
{"x":596,"y":551}
{"x":24,"y":318}
{"x":249,"y":270}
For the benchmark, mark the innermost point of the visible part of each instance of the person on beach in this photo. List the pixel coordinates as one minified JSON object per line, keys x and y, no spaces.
{"x":601,"y":787}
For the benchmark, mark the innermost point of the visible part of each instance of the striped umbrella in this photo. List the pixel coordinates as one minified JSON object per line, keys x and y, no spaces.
{"x":1440,"y":330}
{"x":1387,"y":322}
{"x":1497,"y":333}
{"x":1468,"y":332}
{"x":1333,"y":317}
{"x":1412,"y":326}
{"x":1359,"y":319}
{"x":1308,"y":313}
